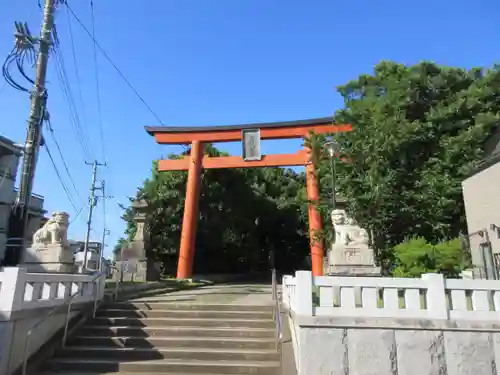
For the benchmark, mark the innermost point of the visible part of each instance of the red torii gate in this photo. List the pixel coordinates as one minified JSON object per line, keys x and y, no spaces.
{"x":197,"y":136}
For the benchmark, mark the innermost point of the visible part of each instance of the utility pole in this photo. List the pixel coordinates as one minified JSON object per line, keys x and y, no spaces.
{"x":92,"y":204}
{"x":105,"y":231}
{"x":37,"y":112}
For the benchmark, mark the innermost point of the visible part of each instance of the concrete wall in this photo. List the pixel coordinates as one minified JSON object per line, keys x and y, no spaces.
{"x":393,"y":326}
{"x":387,"y":347}
{"x":15,"y":332}
{"x":482,"y":206}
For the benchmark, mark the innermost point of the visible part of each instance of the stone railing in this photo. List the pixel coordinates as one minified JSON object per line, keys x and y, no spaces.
{"x":430,"y":297}
{"x":383,"y":326}
{"x":26,"y":299}
{"x":20,"y":290}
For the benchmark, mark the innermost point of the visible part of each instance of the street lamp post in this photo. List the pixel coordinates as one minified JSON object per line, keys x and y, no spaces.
{"x":333,"y":148}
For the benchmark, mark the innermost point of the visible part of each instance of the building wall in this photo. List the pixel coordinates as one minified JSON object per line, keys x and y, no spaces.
{"x":10,"y":155}
{"x":9,"y":161}
{"x":481,"y":196}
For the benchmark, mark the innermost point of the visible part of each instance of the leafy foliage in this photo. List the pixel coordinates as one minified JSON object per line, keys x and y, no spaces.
{"x":417,"y":131}
{"x":416,"y":256}
{"x":118,"y":247}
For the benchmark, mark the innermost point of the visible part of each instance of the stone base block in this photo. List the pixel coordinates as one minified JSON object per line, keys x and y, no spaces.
{"x":143,"y":271}
{"x":50,"y":258}
{"x":352,"y":260}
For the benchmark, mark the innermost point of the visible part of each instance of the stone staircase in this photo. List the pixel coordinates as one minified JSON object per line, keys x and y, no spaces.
{"x":171,"y":339}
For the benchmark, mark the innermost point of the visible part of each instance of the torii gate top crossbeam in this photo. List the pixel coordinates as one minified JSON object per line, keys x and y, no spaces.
{"x":231,"y":133}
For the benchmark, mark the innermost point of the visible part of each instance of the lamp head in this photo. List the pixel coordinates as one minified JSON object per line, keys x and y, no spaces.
{"x":332,"y":147}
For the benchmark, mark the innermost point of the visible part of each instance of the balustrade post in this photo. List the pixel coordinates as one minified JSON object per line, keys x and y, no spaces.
{"x":12,"y":290}
{"x":303,"y":293}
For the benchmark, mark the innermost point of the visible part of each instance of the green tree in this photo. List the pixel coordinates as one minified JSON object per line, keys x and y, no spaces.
{"x":118,"y":247}
{"x":417,"y":131}
{"x":416,"y":256}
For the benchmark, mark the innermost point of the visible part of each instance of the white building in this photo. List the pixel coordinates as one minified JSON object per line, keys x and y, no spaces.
{"x":10,"y":154}
{"x":92,"y":254}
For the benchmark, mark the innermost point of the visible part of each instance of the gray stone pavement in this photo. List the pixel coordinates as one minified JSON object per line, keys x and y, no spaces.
{"x":237,"y":294}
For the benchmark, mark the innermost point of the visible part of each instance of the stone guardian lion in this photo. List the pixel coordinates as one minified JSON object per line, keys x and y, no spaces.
{"x":54,"y":231}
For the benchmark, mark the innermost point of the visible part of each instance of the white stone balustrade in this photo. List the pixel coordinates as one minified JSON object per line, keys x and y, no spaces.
{"x":430,"y":297}
{"x":20,"y":290}
{"x":26,"y":299}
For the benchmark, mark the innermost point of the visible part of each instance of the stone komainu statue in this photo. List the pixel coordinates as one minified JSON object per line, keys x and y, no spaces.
{"x":54,"y":231}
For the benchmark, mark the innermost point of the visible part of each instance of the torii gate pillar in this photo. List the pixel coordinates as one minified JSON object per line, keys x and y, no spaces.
{"x":191,"y":210}
{"x":315,"y":223}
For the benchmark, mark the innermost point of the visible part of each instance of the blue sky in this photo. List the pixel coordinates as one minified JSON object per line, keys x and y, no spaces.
{"x":205,"y":62}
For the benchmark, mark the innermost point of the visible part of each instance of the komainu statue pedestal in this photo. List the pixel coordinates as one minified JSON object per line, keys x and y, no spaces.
{"x":50,"y":251}
{"x":50,"y":258}
{"x":352,"y":261}
{"x":351,"y":253}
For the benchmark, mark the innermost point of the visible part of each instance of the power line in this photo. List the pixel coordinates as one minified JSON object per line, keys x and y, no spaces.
{"x":51,"y":129}
{"x":114,"y":65}
{"x":65,"y":188}
{"x":75,"y":62}
{"x":98,"y":91}
{"x":74,"y":117}
{"x":77,"y":215}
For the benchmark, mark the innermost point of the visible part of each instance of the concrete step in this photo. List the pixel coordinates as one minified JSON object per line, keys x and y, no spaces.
{"x":163,"y":366}
{"x":182,"y":354}
{"x":182,"y":322}
{"x":175,"y":342}
{"x":189,"y":313}
{"x":162,"y":305}
{"x":172,"y":331}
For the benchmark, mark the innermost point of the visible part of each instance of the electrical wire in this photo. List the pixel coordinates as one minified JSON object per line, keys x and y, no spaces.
{"x":77,"y":215}
{"x":62,"y":76}
{"x":122,"y":75}
{"x":96,"y":73}
{"x":65,"y":188}
{"x":75,"y":65}
{"x":54,"y":139}
{"x":12,"y":58}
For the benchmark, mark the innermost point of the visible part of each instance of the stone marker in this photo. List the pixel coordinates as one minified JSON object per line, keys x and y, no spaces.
{"x":134,"y":255}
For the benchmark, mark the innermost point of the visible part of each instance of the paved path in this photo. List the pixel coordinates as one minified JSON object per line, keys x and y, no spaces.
{"x":237,"y":294}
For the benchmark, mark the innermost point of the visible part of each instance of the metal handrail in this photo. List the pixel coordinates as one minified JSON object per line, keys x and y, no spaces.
{"x":68,"y":301}
{"x":277,"y":318}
